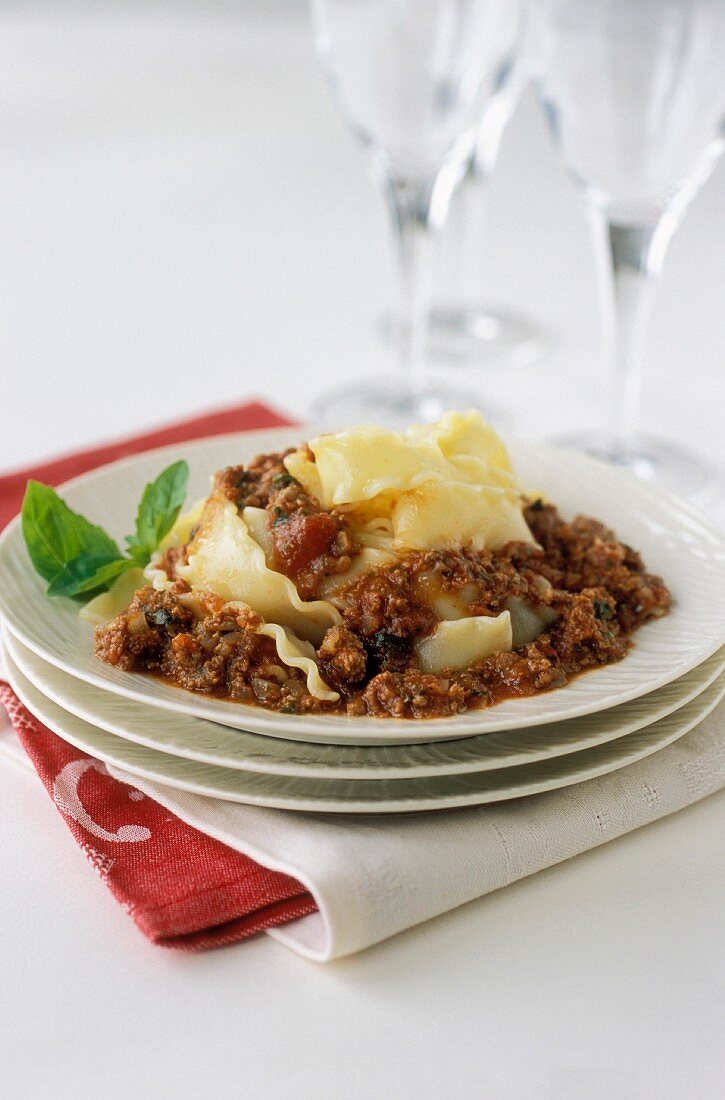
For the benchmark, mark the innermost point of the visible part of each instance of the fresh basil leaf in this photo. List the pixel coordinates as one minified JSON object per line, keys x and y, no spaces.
{"x":55,"y":535}
{"x":87,"y":576}
{"x":80,"y":559}
{"x":160,"y":505}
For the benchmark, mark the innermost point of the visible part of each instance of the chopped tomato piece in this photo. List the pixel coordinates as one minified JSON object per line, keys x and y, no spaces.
{"x":301,"y":538}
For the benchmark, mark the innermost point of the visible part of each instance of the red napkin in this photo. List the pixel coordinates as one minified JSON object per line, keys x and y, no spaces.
{"x":182,"y":888}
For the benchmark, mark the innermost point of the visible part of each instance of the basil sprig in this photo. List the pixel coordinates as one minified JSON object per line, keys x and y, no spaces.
{"x":160,"y":505}
{"x":78,"y":558}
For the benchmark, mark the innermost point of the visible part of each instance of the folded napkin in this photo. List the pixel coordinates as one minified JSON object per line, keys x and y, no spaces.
{"x":372,"y":877}
{"x":199,"y":872}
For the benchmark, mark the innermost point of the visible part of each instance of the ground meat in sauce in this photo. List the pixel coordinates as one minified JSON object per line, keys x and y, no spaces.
{"x":342,"y":659}
{"x":595,"y":589}
{"x":384,"y":601}
{"x":586,"y":554}
{"x":251,"y":486}
{"x":201,"y":645}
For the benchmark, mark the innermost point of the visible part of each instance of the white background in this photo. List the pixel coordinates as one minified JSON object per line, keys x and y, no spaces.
{"x":185,"y":222}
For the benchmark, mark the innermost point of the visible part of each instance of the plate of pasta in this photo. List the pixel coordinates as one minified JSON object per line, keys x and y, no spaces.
{"x":366,"y":586}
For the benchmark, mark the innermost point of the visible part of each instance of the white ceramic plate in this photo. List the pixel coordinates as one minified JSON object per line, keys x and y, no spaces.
{"x":676,"y":541}
{"x":210,"y":743}
{"x":363,"y":796}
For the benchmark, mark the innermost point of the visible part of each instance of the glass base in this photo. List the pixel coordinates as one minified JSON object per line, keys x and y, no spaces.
{"x":652,"y":459}
{"x":392,"y":405}
{"x":477,"y":334}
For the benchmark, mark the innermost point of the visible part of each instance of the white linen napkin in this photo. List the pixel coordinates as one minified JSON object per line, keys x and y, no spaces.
{"x":375,"y":876}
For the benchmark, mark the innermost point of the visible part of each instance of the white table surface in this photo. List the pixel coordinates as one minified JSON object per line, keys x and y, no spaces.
{"x":185,"y":222}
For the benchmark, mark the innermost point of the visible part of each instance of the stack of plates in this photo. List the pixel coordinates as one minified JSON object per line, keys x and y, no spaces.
{"x":673,"y":677}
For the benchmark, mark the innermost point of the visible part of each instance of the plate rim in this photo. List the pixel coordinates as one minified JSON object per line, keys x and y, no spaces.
{"x":392,"y":806}
{"x":333,"y":729}
{"x":19,"y":656}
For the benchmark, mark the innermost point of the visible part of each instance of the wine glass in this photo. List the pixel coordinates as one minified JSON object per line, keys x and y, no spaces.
{"x":411,"y":77}
{"x":464,"y":328}
{"x":634,"y":93}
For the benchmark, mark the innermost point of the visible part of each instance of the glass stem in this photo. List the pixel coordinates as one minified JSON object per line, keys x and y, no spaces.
{"x":630,"y":256}
{"x":463,"y":268}
{"x":410,"y":206}
{"x":462,"y":273}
